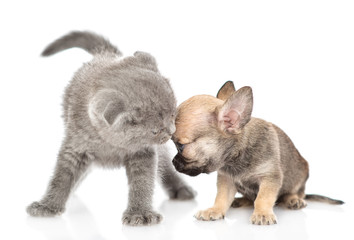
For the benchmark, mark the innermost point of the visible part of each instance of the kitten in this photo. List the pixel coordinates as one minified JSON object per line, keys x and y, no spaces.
{"x":117,"y":112}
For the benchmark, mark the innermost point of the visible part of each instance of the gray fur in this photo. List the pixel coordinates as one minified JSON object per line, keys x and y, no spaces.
{"x":117,"y":112}
{"x":88,"y":41}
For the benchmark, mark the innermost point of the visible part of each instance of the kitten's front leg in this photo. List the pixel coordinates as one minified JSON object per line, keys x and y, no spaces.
{"x":68,"y":170}
{"x":141,"y":171}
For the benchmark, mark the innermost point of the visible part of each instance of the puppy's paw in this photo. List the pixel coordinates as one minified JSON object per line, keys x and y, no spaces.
{"x":210,"y":214}
{"x":141,"y":218}
{"x":263,"y":218}
{"x":183,"y":193}
{"x":296,"y":203}
{"x":38,"y":209}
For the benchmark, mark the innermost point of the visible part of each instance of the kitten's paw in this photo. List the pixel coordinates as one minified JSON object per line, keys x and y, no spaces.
{"x":38,"y":209}
{"x":210,"y":214}
{"x":296,"y":203}
{"x":183,"y":193}
{"x":135,"y":218}
{"x":266,"y":218}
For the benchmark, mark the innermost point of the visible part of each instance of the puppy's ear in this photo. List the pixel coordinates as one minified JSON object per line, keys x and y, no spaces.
{"x":236,"y":111}
{"x":226,"y":90}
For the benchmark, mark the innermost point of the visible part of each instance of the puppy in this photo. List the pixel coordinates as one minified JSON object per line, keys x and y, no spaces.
{"x":252,"y":156}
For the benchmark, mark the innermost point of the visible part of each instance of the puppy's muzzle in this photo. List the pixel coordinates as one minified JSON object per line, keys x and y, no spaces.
{"x":181,"y":166}
{"x":179,"y":147}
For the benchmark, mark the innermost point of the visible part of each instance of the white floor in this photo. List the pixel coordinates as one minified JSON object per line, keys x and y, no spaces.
{"x":94,"y":212}
{"x":296,"y":55}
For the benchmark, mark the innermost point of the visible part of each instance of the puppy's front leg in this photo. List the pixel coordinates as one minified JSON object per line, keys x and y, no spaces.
{"x":224,"y":198}
{"x":263,"y":206}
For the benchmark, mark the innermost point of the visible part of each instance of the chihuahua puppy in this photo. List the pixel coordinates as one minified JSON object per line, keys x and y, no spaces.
{"x":252,"y":156}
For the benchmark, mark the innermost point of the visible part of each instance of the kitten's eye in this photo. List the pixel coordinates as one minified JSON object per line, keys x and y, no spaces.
{"x":156,"y":131}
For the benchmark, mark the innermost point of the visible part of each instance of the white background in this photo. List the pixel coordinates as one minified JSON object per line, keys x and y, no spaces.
{"x":297,"y":56}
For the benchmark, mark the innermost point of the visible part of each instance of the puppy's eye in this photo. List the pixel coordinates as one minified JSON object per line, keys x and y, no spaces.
{"x":180,"y":147}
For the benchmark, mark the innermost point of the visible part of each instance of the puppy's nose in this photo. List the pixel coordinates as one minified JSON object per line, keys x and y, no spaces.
{"x":180,"y":147}
{"x":178,"y":164}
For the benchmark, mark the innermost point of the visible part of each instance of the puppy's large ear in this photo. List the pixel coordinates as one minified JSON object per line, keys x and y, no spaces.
{"x":105,"y":107}
{"x":226,"y":90}
{"x":236,"y":112}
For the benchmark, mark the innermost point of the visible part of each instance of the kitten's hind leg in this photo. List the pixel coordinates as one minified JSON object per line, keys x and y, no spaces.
{"x":68,"y":170}
{"x":174,"y":185}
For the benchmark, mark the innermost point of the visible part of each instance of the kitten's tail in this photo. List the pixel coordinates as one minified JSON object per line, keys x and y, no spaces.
{"x":89,"y":41}
{"x":319,"y":198}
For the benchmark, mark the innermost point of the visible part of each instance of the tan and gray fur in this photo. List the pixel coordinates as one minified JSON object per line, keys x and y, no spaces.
{"x":118,"y":112}
{"x":251,"y":156}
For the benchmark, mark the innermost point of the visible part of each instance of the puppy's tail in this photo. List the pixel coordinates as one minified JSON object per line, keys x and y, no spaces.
{"x":319,"y":198}
{"x":89,"y":41}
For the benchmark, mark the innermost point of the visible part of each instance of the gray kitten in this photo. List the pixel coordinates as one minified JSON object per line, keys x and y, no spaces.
{"x":117,"y":112}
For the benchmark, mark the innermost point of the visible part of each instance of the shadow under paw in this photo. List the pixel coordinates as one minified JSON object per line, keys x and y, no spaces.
{"x":38,"y":209}
{"x":135,"y":218}
{"x":183,"y":193}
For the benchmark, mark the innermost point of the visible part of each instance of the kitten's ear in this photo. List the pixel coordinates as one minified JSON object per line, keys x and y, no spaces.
{"x":112,"y":110}
{"x":147,"y":60}
{"x":105,"y":107}
{"x":236,"y":112}
{"x":226,"y":90}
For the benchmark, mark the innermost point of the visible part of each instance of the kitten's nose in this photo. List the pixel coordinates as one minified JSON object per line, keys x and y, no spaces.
{"x":165,"y":139}
{"x":172,"y":129}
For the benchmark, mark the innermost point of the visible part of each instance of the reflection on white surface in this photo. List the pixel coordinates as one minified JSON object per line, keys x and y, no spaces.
{"x":79,"y":223}
{"x":174,"y":213}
